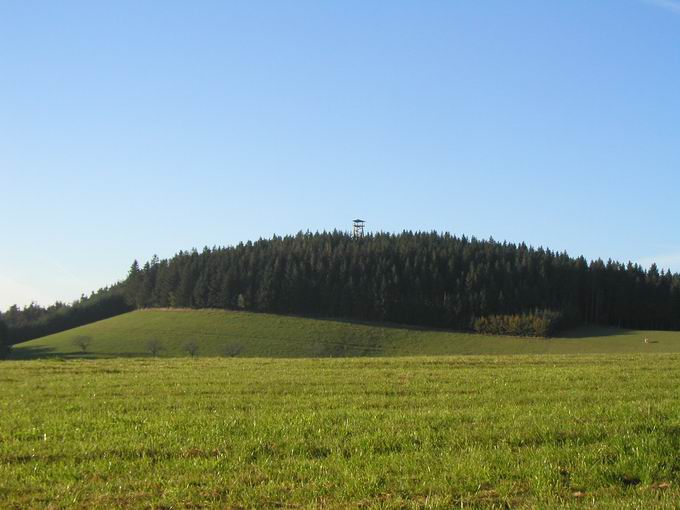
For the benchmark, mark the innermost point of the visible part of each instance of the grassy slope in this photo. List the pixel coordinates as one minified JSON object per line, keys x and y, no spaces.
{"x":588,"y":431}
{"x":263,"y":335}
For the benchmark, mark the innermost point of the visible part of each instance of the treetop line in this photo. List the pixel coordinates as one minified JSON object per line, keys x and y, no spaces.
{"x":421,"y":278}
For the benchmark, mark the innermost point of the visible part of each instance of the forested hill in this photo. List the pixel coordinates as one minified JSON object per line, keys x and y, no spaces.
{"x":425,"y":279}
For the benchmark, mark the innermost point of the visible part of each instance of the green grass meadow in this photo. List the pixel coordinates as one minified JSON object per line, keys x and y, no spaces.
{"x":287,"y":412}
{"x":586,"y":431}
{"x":223,"y":333}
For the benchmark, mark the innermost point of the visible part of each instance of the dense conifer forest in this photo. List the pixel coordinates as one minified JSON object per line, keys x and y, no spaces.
{"x":425,"y":279}
{"x":4,"y":340}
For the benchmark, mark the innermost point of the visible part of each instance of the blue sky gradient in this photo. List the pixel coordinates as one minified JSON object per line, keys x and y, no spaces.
{"x":133,"y":128}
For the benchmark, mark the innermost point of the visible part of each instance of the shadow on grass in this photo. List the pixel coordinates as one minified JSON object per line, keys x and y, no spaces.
{"x":588,"y":331}
{"x":32,"y":353}
{"x":388,"y":325}
{"x":583,"y":331}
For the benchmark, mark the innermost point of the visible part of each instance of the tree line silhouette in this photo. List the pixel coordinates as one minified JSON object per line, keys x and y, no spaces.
{"x":426,"y":279}
{"x":4,"y":340}
{"x":34,"y":321}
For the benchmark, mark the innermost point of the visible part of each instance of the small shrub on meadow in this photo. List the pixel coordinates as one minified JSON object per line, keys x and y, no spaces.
{"x":82,"y":342}
{"x":541,"y":323}
{"x":233,"y":350}
{"x":154,"y":347}
{"x":191,"y":348}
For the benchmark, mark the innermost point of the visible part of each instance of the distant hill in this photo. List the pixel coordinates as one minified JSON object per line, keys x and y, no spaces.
{"x":229,"y":333}
{"x":423,"y":279}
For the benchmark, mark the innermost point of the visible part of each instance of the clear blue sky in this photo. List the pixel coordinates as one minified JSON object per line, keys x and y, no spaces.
{"x":134,"y":128}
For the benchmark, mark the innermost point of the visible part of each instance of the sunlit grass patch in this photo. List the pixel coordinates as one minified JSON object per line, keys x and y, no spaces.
{"x":477,"y":431}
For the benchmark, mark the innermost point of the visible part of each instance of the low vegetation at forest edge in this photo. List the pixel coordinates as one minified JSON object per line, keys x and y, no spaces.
{"x":226,"y":333}
{"x":521,"y":431}
{"x":541,"y":323}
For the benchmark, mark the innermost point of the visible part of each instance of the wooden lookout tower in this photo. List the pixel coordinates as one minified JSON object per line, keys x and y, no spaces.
{"x":358,"y":228}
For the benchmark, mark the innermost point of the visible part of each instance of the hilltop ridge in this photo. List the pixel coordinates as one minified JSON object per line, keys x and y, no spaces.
{"x":422,"y":279}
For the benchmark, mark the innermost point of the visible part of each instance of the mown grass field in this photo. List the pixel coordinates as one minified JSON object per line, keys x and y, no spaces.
{"x":226,"y":333}
{"x":427,"y":432}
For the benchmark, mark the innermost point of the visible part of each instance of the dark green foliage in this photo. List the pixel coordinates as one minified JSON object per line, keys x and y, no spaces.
{"x":4,"y":340}
{"x":541,"y":323}
{"x":426,"y":279}
{"x":34,"y":321}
